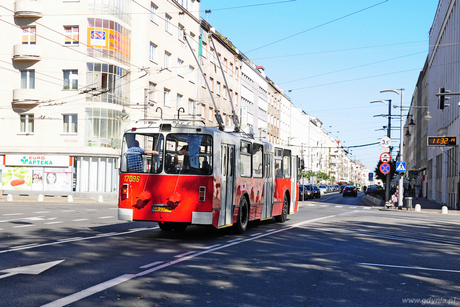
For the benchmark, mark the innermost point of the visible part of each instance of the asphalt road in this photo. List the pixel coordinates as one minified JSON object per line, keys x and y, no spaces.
{"x":336,"y":251}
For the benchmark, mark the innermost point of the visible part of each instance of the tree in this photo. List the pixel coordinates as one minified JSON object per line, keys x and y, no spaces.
{"x":381,"y":176}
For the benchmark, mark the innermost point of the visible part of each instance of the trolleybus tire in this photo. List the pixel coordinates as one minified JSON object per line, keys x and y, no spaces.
{"x":243,"y":216}
{"x":165,"y":226}
{"x":283,"y":217}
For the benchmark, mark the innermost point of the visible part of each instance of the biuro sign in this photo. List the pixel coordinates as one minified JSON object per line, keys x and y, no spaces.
{"x":37,"y":160}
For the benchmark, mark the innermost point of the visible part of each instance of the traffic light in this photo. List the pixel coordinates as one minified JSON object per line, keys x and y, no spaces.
{"x":443,"y":98}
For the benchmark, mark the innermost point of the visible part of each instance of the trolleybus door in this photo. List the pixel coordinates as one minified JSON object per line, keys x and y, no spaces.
{"x":268,"y":186}
{"x":228,"y":184}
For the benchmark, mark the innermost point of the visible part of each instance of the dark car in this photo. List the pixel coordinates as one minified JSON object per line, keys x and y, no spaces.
{"x":342,"y":187}
{"x":372,"y":189}
{"x":350,"y":190}
{"x":308,"y":191}
{"x":316,"y":192}
{"x":301,"y":192}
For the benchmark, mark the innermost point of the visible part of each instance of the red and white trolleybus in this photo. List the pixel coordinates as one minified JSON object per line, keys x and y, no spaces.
{"x":196,"y":175}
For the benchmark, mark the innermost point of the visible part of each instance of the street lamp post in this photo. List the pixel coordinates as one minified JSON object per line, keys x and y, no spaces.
{"x":401,"y":144}
{"x":388,"y":176}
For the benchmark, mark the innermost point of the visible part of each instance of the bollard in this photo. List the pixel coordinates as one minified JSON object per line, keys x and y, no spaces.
{"x":40,"y":197}
{"x":9,"y":197}
{"x":100,"y":199}
{"x":418,"y":208}
{"x":444,"y":210}
{"x":409,"y":203}
{"x":69,"y":198}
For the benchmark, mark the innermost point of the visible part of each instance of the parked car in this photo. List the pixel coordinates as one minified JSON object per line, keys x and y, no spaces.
{"x":350,"y":191}
{"x":308,"y":191}
{"x":322,"y":188}
{"x":372,"y":189}
{"x":342,"y":187}
{"x":316,"y":192}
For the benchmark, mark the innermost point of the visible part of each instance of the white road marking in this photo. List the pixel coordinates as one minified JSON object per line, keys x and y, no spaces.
{"x":11,"y":214}
{"x":184,"y":254}
{"x":106,"y":217}
{"x":339,"y":206}
{"x":118,"y":280}
{"x":151,"y":264}
{"x":408,"y":267}
{"x":22,"y":226}
{"x":79,"y":220}
{"x":57,"y":222}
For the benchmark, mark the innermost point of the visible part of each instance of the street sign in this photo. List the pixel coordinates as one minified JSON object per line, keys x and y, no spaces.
{"x":385,"y":142}
{"x":385,"y":168}
{"x":385,"y":157}
{"x":400,"y":166}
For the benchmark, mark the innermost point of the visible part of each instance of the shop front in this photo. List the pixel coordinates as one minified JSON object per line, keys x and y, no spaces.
{"x":37,"y":174}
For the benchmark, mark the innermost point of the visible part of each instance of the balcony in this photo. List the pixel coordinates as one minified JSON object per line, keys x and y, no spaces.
{"x":28,"y":8}
{"x":26,"y":96}
{"x":27,"y":52}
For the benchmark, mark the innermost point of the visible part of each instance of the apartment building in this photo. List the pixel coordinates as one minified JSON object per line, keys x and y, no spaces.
{"x":75,"y":76}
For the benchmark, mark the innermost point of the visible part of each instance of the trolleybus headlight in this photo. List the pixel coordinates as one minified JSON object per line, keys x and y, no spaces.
{"x":202,"y":194}
{"x":124,"y":191}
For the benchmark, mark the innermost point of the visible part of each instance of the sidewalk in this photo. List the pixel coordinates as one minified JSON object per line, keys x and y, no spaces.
{"x":49,"y":199}
{"x":426,"y":205}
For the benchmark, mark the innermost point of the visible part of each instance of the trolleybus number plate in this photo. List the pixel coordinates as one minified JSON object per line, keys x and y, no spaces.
{"x":161,"y":208}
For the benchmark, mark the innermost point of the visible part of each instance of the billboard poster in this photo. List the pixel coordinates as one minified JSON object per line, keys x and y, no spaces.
{"x":16,"y":178}
{"x":57,"y":179}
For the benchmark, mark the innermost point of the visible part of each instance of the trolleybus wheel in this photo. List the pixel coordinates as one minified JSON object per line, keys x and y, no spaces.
{"x":243,"y":216}
{"x":165,"y":226}
{"x":283,"y":217}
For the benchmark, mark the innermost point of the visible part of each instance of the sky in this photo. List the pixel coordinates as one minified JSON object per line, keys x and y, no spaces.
{"x":332,"y":57}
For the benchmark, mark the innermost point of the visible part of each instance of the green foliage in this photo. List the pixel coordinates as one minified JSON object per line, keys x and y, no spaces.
{"x":380,"y":175}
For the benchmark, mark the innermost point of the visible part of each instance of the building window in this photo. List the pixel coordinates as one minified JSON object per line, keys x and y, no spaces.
{"x":166,"y":97}
{"x":231,"y":69}
{"x":225,"y":64}
{"x":103,"y":128}
{"x":152,"y":91}
{"x":26,"y":123}
{"x":28,"y":79}
{"x":153,"y":52}
{"x":179,"y":101}
{"x":210,"y":116}
{"x":237,"y":76}
{"x":225,"y":92}
{"x":212,"y":83}
{"x":71,"y":35}
{"x":191,"y":103}
{"x":180,"y":63}
{"x":70,"y":79}
{"x":69,"y":123}
{"x":153,"y":10}
{"x":191,"y":74}
{"x":29,"y":35}
{"x":168,"y":23}
{"x":218,"y":88}
{"x":180,"y":32}
{"x":167,"y":57}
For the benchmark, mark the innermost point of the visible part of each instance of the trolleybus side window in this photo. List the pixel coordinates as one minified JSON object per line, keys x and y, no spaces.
{"x":278,"y":163}
{"x":287,"y":163}
{"x":188,"y":154}
{"x":142,"y":153}
{"x":257,"y":161}
{"x":245,"y":159}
